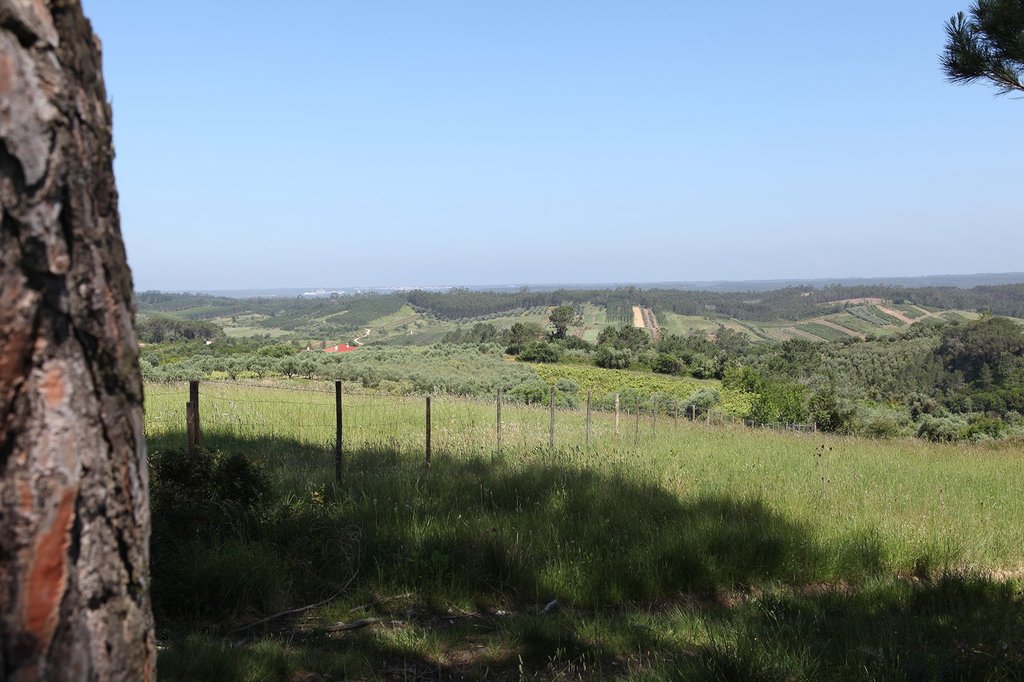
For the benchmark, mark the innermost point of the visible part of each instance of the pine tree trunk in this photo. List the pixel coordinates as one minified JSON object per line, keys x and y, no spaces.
{"x":74,"y":509}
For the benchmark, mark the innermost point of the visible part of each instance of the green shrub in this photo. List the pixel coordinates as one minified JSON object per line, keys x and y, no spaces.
{"x":610,"y":357}
{"x":701,"y":401}
{"x":703,"y":367}
{"x":779,"y":401}
{"x":831,"y":411}
{"x":203,"y":493}
{"x":666,"y":363}
{"x":540,"y":351}
{"x":948,"y":429}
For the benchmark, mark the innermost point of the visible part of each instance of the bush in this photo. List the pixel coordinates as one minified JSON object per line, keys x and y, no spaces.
{"x":203,"y":493}
{"x":743,"y":378}
{"x":703,"y":367}
{"x":539,"y":351}
{"x":666,"y":363}
{"x":779,"y":401}
{"x":610,"y":357}
{"x":948,"y":429}
{"x":831,"y":411}
{"x":574,"y":343}
{"x":701,"y":401}
{"x":880,"y":426}
{"x":981,"y":427}
{"x":530,"y":392}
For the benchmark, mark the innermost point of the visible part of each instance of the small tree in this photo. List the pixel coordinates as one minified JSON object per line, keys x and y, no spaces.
{"x":522,"y":334}
{"x":561,"y":317}
{"x":988,"y":45}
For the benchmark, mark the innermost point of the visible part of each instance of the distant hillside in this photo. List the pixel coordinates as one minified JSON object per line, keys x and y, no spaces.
{"x":422,"y":317}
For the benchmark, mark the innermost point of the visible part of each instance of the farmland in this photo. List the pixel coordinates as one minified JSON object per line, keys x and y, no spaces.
{"x":695,"y":551}
{"x":667,"y":541}
{"x":913,"y":373}
{"x":422,"y":317}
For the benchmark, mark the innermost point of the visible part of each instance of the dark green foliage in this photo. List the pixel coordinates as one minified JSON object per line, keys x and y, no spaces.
{"x":481,"y":332}
{"x":704,"y":367}
{"x":164,"y":328}
{"x":991,"y":349}
{"x":667,"y":363}
{"x":203,"y":493}
{"x":743,"y":377}
{"x":610,"y":357}
{"x":988,"y":45}
{"x":829,"y":409}
{"x":780,"y":402}
{"x":523,"y":334}
{"x":796,"y":359}
{"x":278,"y":350}
{"x":619,"y":306}
{"x":459,"y":304}
{"x":561,"y":317}
{"x":731,"y":342}
{"x":541,"y":351}
{"x":575,"y":343}
{"x":624,"y":337}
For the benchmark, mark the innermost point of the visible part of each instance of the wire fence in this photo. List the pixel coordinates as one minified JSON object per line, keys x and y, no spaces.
{"x":346,"y":420}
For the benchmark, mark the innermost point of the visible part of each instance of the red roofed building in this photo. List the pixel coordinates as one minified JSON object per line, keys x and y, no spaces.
{"x":340,"y":348}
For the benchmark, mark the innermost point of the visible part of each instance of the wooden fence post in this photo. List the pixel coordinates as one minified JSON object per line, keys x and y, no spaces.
{"x":428,"y":432}
{"x":693,"y":412}
{"x":190,"y":426}
{"x":616,"y":414}
{"x":499,"y":419}
{"x":196,"y":437}
{"x":588,"y":419}
{"x":339,"y":453}
{"x":654,"y":416}
{"x":675,"y":413}
{"x":551,"y":432}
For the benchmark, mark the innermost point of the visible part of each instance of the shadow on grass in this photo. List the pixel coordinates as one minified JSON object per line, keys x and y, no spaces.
{"x":647,"y":581}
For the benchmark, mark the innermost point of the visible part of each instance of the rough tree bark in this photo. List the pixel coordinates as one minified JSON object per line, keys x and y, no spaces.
{"x":74,"y":510}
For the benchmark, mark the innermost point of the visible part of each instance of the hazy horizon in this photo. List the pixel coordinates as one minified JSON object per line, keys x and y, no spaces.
{"x":965,"y":280}
{"x":583,"y":142}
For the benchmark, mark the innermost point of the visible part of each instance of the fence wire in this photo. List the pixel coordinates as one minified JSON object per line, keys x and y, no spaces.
{"x":256,"y":413}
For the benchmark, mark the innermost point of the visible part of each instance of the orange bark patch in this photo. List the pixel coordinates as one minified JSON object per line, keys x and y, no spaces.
{"x":47,"y":573}
{"x":54,"y":387}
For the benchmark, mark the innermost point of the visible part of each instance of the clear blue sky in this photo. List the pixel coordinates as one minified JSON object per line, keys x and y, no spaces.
{"x":334,"y":143}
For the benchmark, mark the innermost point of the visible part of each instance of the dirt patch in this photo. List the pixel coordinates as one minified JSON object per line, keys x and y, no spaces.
{"x":838,"y":327}
{"x":897,"y":314}
{"x":651,"y":322}
{"x":638,"y":317}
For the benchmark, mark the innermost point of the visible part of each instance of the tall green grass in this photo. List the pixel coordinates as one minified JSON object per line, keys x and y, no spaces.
{"x":693,"y":551}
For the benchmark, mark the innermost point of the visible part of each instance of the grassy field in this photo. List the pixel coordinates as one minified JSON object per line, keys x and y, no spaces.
{"x":689,"y":552}
{"x":823,"y":331}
